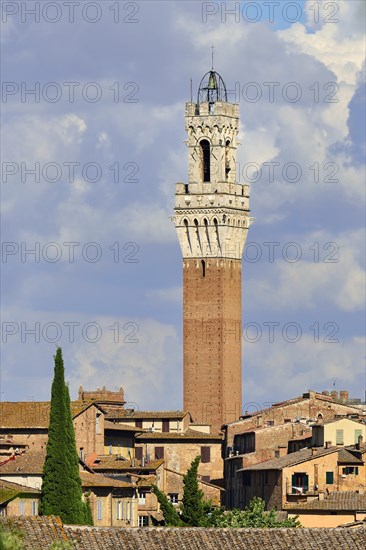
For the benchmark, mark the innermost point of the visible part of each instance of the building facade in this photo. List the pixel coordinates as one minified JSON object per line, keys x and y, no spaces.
{"x":212,"y":220}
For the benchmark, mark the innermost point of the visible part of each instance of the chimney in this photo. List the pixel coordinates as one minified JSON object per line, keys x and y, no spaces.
{"x":334,"y":395}
{"x":314,"y":451}
{"x":282,"y":450}
{"x":321,"y":496}
{"x":259,"y":421}
{"x":325,"y":392}
{"x":359,"y":443}
{"x":328,"y":444}
{"x":343,"y":396}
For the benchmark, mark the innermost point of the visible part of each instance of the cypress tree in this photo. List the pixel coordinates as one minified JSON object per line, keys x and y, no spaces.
{"x":193,"y":505}
{"x":61,"y":486}
{"x":171,"y":515}
{"x":76,"y":509}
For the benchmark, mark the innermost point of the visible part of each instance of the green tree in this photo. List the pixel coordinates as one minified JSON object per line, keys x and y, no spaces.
{"x":11,"y":539}
{"x":194,"y":508}
{"x":61,"y":486}
{"x":170,"y":513}
{"x":253,"y":516}
{"x":88,"y":512}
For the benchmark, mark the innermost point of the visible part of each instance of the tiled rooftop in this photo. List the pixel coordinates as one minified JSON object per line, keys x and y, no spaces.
{"x":113,"y":412}
{"x":112,"y":462}
{"x":343,"y":500}
{"x":32,"y":414}
{"x":9,"y":490}
{"x":30,"y":462}
{"x":41,"y":531}
{"x":188,"y":434}
{"x":346,"y":457}
{"x":97,"y":480}
{"x":121,"y":427}
{"x":291,"y":459}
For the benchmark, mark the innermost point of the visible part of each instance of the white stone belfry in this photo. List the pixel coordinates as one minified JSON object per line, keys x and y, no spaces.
{"x":212,"y":213}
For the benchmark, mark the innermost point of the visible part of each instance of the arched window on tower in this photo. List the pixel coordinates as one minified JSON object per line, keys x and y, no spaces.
{"x":205,"y":160}
{"x":227,"y":159}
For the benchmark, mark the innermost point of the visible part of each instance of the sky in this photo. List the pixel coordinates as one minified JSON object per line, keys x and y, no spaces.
{"x":93,"y":98}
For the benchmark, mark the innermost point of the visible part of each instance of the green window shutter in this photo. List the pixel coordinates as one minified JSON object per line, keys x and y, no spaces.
{"x":329,"y":478}
{"x":339,"y":437}
{"x":356,"y":471}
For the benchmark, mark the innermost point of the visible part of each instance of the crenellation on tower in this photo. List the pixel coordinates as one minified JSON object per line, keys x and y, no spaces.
{"x":212,"y":219}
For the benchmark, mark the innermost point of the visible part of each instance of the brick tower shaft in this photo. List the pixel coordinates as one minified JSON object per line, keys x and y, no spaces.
{"x":212,"y":220}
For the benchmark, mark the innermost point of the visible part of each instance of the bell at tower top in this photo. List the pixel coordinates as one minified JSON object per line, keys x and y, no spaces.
{"x":212,"y":88}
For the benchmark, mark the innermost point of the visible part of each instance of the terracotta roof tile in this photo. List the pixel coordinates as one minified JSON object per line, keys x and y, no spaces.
{"x":98,"y":480}
{"x":112,"y":462}
{"x":188,"y":434}
{"x":291,"y":459}
{"x":113,"y":412}
{"x":30,"y":462}
{"x":343,"y":500}
{"x":9,"y":490}
{"x":120,"y":426}
{"x":32,"y":414}
{"x":346,"y":457}
{"x":41,"y":531}
{"x":212,"y":539}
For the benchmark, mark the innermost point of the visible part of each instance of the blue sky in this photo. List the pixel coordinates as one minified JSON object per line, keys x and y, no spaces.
{"x":112,"y":297}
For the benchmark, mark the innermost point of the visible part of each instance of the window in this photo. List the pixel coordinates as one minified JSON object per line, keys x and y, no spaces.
{"x":143,"y":521}
{"x":300,"y":483}
{"x":159,"y":453}
{"x":205,"y":160}
{"x":99,"y":509}
{"x":138,"y":423}
{"x":174,"y":498}
{"x":206,"y":479}
{"x":21,"y":508}
{"x":205,"y":454}
{"x":128,"y":509}
{"x":138,"y":453}
{"x":34,"y":508}
{"x":97,"y":423}
{"x":339,"y":437}
{"x":166,"y":425}
{"x":350,"y":470}
{"x":227,"y":160}
{"x":357,"y":435}
{"x":119,"y":509}
{"x":142,"y":497}
{"x":203,"y":265}
{"x":329,"y":478}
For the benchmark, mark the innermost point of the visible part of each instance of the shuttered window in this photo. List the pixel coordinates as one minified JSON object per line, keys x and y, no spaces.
{"x":329,"y":478}
{"x":138,"y":453}
{"x":205,"y":454}
{"x":339,"y":437}
{"x":159,"y":453}
{"x":165,"y":425}
{"x":99,"y":509}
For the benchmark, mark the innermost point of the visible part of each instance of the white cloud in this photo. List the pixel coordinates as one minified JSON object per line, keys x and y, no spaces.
{"x":283,"y":370}
{"x":327,"y":273}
